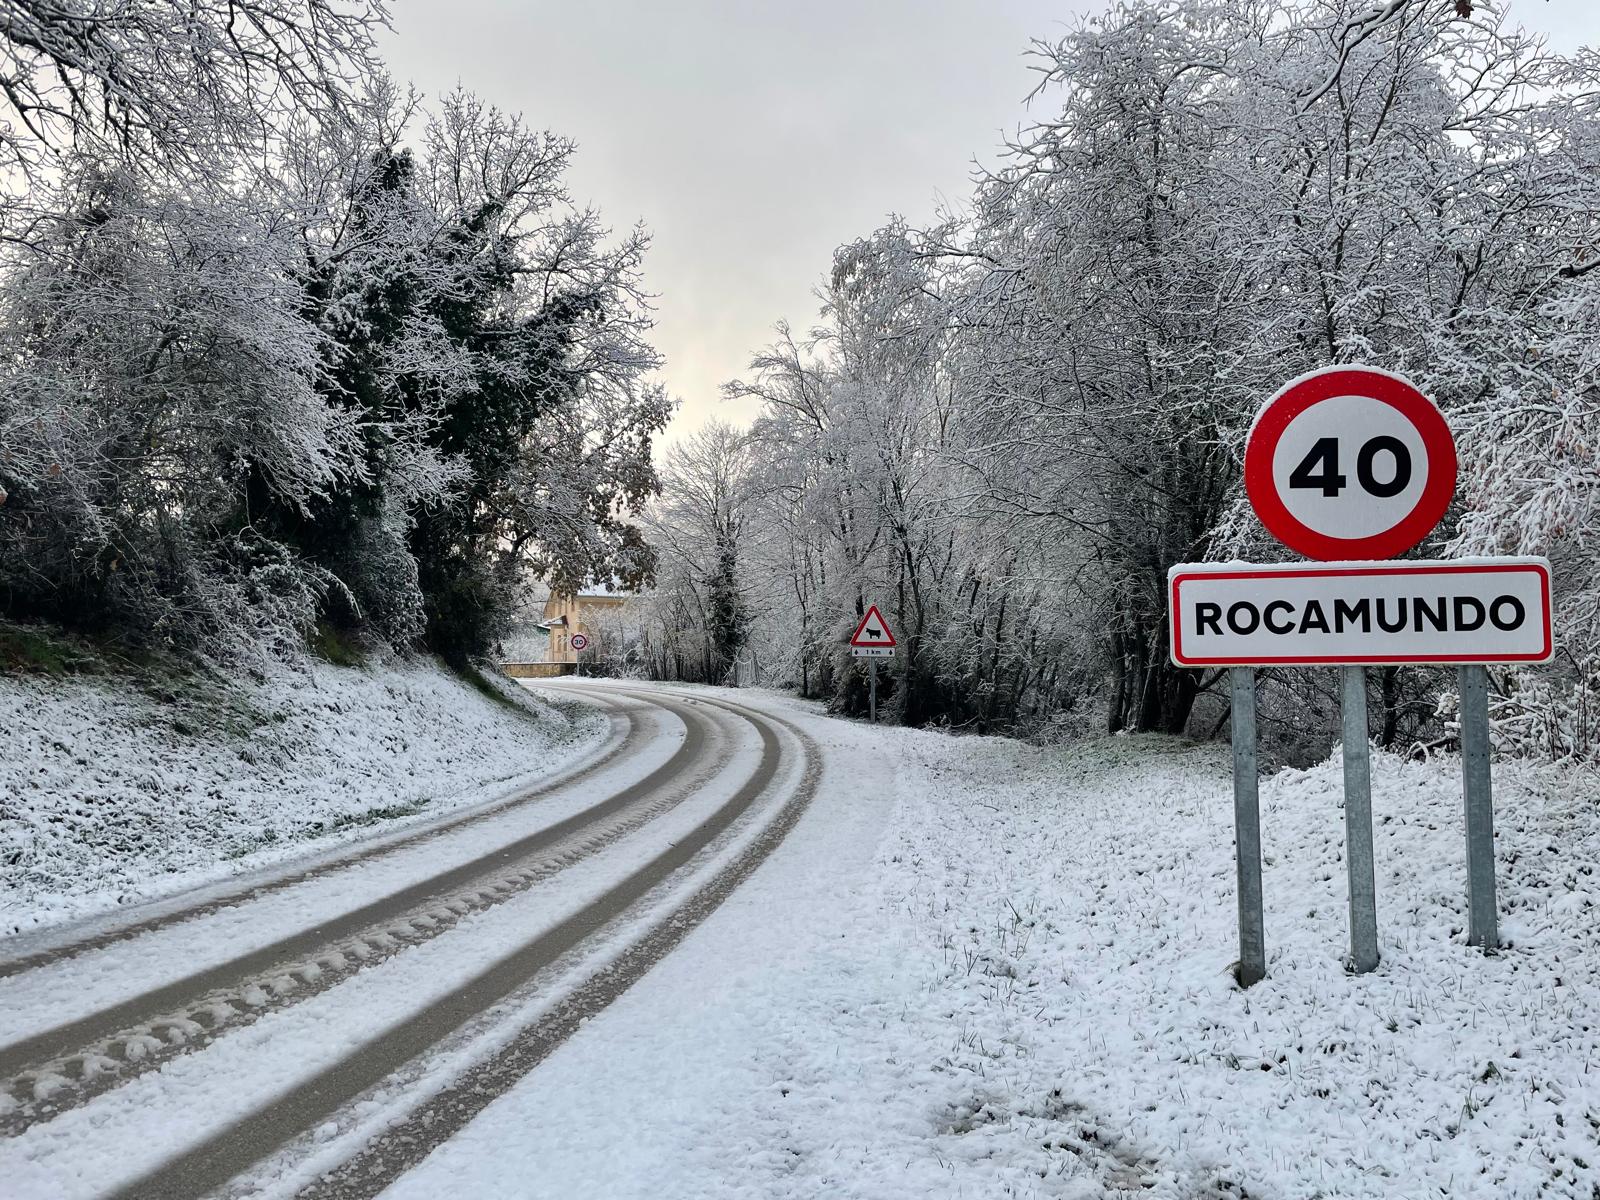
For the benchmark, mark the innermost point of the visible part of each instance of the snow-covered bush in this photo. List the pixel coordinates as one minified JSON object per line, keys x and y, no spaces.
{"x":158,"y":375}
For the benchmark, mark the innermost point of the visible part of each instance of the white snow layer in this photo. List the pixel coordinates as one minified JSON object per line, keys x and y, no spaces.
{"x":980,"y":969}
{"x":86,"y":1152}
{"x":111,"y":793}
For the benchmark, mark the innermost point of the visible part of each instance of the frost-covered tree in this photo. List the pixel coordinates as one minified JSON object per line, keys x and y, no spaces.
{"x":494,"y":346}
{"x":697,"y":617}
{"x":172,"y":85}
{"x":156,"y":357}
{"x":285,"y":345}
{"x":1010,"y":425}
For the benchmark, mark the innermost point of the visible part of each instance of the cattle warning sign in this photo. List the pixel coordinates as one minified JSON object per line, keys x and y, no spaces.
{"x":873,"y":637}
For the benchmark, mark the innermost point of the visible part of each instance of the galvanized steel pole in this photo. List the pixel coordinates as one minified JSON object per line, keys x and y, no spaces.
{"x":1247,"y":827}
{"x":872,"y":690}
{"x":1358,"y":821}
{"x":1482,"y":923}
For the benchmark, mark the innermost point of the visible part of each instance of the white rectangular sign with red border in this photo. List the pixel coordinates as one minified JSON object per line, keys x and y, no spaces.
{"x":1493,"y":610}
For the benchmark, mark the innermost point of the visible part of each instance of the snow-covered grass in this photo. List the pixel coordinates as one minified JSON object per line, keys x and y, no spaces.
{"x":1025,"y":990}
{"x":1080,"y":1031}
{"x":117,"y":786}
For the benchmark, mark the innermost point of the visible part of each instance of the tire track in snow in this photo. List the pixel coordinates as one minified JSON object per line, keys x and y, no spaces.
{"x":227,"y":1154}
{"x":69,"y":1065}
{"x":633,"y":737}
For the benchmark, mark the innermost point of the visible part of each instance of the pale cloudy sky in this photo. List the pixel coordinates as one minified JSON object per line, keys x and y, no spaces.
{"x":754,"y":136}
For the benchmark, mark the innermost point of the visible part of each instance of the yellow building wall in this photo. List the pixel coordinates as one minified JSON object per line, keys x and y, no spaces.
{"x":538,"y":670}
{"x":567,"y":615}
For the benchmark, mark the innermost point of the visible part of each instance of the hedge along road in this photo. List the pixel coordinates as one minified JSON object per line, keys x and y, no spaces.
{"x":766,"y":795}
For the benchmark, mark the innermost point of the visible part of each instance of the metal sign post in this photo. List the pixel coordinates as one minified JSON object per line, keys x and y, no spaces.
{"x":579,"y":643}
{"x":1473,"y":682}
{"x":872,"y":690}
{"x":1243,"y":616}
{"x":1358,"y":822}
{"x":1247,"y":829}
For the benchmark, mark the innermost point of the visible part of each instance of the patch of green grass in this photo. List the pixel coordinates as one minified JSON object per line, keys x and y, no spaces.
{"x":316,"y":829}
{"x":481,"y":683}
{"x":191,"y":699}
{"x":34,"y":650}
{"x":332,"y":646}
{"x":197,"y":700}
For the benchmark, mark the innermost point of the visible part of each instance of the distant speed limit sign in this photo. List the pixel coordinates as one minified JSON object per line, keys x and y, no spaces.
{"x":1350,"y":463}
{"x":580,"y":642}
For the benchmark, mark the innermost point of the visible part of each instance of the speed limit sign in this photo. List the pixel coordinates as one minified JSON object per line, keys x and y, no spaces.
{"x":1350,"y":463}
{"x":580,"y":642}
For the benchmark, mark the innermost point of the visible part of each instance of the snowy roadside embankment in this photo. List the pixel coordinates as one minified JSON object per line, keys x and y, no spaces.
{"x":1081,"y":1031}
{"x":112,"y":791}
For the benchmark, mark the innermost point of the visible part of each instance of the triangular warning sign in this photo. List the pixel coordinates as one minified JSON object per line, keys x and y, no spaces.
{"x":873,"y":630}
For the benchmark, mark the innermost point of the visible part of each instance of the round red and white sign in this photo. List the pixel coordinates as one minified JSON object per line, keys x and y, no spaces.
{"x":1350,"y":463}
{"x":580,"y":642}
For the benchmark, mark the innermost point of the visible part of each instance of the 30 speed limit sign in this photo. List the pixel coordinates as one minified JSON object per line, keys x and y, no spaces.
{"x":1350,"y":463}
{"x":580,"y":642}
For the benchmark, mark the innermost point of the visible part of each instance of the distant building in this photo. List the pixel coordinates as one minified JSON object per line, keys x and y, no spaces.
{"x":600,"y":614}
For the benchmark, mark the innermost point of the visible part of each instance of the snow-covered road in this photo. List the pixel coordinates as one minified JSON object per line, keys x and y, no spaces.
{"x":226,"y":1038}
{"x":748,"y":950}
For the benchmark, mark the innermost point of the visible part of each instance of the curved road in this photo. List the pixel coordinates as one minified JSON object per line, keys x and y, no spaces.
{"x":393,"y":988}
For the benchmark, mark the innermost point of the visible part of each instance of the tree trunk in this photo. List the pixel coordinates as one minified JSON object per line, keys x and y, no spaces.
{"x":1389,"y":681}
{"x":1116,"y":717}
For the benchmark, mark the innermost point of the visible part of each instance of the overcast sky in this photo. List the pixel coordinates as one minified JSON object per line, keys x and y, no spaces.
{"x":754,"y":136}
